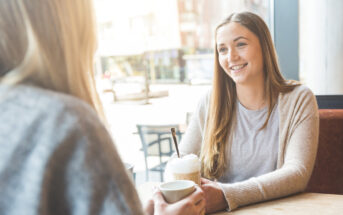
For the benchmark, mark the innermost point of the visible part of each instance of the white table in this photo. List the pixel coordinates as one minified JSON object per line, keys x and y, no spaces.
{"x":300,"y":204}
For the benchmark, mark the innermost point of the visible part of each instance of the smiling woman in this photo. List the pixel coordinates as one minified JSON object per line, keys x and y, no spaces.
{"x":240,"y":54}
{"x":256,"y":133}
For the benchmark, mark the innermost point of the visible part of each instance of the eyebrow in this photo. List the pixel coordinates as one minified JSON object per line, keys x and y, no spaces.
{"x":237,"y":38}
{"x":240,"y":37}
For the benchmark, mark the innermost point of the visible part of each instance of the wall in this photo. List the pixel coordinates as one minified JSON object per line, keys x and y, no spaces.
{"x":321,"y":45}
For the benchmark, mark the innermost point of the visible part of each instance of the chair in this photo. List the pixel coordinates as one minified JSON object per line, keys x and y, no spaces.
{"x":157,"y":142}
{"x":327,"y":175}
{"x":330,"y":101}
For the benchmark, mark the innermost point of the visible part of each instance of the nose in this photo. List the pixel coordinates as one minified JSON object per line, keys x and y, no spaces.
{"x":232,"y":55}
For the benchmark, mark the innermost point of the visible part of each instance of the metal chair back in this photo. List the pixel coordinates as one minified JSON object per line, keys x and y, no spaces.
{"x":157,"y":142}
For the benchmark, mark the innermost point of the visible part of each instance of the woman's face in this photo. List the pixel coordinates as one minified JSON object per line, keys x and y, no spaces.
{"x":240,"y":53}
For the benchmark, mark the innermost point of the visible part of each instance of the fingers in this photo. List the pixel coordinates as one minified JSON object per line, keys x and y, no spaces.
{"x":198,"y":207}
{"x":149,"y":207}
{"x":158,"y":197}
{"x":196,"y":201}
{"x":197,"y":195}
{"x":201,"y":207}
{"x":200,"y":202}
{"x":205,"y":181}
{"x":199,"y":199}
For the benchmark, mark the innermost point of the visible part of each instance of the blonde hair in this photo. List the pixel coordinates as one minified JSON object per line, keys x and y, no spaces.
{"x":51,"y":44}
{"x":221,"y":114}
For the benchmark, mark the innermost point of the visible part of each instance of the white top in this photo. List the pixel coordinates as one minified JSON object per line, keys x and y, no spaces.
{"x":253,"y":151}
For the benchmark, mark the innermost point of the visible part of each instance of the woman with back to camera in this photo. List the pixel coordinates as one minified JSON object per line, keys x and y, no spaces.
{"x":56,"y":156}
{"x":255,"y":132}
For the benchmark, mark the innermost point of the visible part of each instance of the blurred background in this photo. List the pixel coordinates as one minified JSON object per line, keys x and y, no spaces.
{"x":155,"y":58}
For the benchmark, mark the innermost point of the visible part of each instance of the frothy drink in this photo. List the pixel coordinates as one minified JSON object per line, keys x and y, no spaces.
{"x":185,"y":168}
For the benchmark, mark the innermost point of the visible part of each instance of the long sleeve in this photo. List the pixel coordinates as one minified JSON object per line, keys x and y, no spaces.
{"x":192,"y":140}
{"x":299,"y":125}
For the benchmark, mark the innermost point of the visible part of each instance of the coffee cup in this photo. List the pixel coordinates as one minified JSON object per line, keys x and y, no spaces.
{"x":174,"y":191}
{"x":185,"y":168}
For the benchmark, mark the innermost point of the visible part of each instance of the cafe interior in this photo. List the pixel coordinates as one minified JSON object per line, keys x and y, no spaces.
{"x":151,"y":67}
{"x":308,"y":36}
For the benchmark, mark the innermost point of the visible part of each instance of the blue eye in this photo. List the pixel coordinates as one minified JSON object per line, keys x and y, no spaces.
{"x":222,"y":50}
{"x":241,"y":44}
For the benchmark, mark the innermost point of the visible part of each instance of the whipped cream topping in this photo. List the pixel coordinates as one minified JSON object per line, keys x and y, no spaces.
{"x":187,"y":164}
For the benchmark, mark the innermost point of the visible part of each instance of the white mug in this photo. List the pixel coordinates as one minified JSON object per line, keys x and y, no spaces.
{"x":176,"y":190}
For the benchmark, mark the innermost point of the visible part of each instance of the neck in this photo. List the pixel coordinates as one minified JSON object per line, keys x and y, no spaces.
{"x":252,"y":96}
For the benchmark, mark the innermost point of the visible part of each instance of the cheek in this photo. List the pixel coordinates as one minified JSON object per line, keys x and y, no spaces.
{"x":223,"y":63}
{"x":258,"y":59}
{"x":259,"y":62}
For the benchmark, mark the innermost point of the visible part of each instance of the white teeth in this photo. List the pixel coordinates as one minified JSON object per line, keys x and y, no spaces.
{"x":238,"y":67}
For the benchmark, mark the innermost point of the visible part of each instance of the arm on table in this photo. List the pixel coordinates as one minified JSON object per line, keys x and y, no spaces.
{"x":215,"y":198}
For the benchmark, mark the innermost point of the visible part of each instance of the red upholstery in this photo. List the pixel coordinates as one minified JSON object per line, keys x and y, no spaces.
{"x":327,"y":176}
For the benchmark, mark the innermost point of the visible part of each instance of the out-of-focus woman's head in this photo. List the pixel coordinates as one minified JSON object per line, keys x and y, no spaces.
{"x":49,"y":43}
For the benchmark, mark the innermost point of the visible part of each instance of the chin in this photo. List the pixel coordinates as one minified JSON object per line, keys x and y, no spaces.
{"x":239,"y":80}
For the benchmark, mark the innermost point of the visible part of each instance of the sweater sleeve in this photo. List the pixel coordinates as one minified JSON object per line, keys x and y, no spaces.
{"x":298,"y":148}
{"x":85,"y":174}
{"x":192,"y":139}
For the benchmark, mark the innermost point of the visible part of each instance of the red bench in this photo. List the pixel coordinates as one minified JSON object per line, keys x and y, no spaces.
{"x":327,"y":175}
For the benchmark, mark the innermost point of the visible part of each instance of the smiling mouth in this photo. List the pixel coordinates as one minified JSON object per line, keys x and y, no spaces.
{"x":238,"y":67}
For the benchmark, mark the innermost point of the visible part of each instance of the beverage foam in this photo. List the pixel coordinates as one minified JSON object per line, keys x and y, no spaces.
{"x":187,"y":164}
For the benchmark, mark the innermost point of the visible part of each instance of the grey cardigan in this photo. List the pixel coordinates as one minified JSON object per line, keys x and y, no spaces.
{"x":56,"y":157}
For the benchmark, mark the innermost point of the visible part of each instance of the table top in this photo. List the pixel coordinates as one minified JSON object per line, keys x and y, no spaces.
{"x":300,"y":204}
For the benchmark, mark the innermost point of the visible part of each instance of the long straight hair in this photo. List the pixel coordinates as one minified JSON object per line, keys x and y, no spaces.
{"x":50,"y":43}
{"x":222,"y":112}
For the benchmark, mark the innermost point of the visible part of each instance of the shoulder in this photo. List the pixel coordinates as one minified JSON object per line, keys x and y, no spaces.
{"x":299,"y":100}
{"x":53,"y":102}
{"x":299,"y":93}
{"x":56,"y":113}
{"x":301,"y":89}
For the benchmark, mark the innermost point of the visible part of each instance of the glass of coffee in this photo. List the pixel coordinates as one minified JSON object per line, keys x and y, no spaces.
{"x":185,"y":168}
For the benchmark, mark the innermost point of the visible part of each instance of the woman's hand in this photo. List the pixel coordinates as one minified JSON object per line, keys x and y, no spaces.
{"x":149,"y":207}
{"x":215,"y":199}
{"x":193,"y":204}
